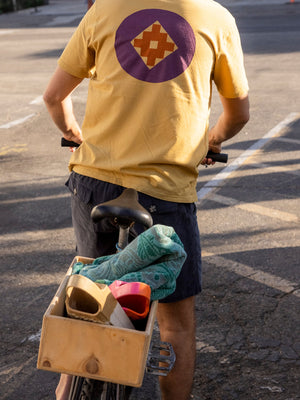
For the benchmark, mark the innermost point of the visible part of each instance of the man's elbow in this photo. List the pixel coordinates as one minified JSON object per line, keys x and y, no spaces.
{"x":241,"y":121}
{"x":49,"y":99}
{"x":238,"y":120}
{"x":241,"y":111}
{"x":244,"y":117}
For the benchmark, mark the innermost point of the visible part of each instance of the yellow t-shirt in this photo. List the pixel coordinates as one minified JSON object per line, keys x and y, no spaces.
{"x":151,"y":64}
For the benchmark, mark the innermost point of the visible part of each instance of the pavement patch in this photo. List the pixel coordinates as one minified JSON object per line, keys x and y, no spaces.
{"x":218,"y":179}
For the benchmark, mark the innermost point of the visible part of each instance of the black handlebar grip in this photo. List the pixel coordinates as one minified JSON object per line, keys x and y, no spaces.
{"x":219,"y":157}
{"x":68,"y":143}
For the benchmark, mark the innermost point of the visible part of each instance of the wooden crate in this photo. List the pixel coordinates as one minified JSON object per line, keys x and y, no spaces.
{"x":89,"y":349}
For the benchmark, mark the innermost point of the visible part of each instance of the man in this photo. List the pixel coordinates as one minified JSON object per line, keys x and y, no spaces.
{"x":151,"y":65}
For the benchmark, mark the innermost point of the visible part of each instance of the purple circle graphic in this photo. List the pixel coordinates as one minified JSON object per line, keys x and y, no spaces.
{"x":155,"y":45}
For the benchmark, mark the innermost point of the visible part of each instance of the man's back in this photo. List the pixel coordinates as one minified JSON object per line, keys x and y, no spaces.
{"x":148,"y":106}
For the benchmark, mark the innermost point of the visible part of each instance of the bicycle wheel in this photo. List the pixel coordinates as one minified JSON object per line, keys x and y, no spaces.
{"x":90,"y":389}
{"x":81,"y":388}
{"x":113,"y":391}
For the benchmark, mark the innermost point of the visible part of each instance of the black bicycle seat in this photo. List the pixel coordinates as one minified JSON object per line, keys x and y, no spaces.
{"x":124,"y":210}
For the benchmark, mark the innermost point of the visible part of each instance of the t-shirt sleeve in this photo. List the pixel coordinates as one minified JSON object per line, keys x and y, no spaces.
{"x":229,"y":72}
{"x":78,"y":58}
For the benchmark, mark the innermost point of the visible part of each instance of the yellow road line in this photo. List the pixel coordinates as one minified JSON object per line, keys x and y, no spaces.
{"x":18,"y":148}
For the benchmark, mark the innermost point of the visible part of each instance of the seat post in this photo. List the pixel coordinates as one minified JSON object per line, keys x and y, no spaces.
{"x":123,"y":237}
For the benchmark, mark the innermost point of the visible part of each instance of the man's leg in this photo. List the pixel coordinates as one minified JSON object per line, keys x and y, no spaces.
{"x":177,"y":326}
{"x":63,"y":387}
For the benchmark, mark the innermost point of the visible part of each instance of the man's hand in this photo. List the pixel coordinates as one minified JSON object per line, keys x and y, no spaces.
{"x":72,"y":138}
{"x":207,"y":161}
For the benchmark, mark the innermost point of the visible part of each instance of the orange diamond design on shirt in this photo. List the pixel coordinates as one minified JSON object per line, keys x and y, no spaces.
{"x":154,"y":44}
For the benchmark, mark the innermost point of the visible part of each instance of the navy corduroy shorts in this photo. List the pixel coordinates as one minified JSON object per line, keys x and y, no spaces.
{"x":95,"y":240}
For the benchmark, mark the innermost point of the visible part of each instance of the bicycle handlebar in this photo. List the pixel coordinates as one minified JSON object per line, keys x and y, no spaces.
{"x":218,"y":157}
{"x":68,"y":143}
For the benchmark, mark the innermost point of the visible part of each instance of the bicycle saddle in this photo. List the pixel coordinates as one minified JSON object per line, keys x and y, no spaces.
{"x":124,"y":210}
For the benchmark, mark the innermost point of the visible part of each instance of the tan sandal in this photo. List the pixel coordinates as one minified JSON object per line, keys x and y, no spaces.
{"x":94,"y":302}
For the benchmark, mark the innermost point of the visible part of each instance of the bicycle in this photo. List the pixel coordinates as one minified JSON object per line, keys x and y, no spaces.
{"x":123,"y":212}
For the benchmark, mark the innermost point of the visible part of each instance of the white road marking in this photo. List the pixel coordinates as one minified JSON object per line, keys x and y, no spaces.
{"x":37,"y":101}
{"x":256,"y":208}
{"x":256,"y":275}
{"x":17,"y":122}
{"x":35,"y":337}
{"x":218,"y":179}
{"x":6,"y":31}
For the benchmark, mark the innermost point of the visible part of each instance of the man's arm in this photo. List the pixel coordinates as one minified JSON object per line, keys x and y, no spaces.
{"x":234,"y":117}
{"x":57,"y":98}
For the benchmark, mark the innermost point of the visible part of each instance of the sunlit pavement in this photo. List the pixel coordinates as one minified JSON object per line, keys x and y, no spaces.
{"x":248,"y":212}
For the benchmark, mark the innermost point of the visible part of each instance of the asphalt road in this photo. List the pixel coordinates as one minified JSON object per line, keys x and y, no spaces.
{"x":248,"y":342}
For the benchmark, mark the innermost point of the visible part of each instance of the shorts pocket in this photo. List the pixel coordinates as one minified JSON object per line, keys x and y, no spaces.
{"x":83,"y":193}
